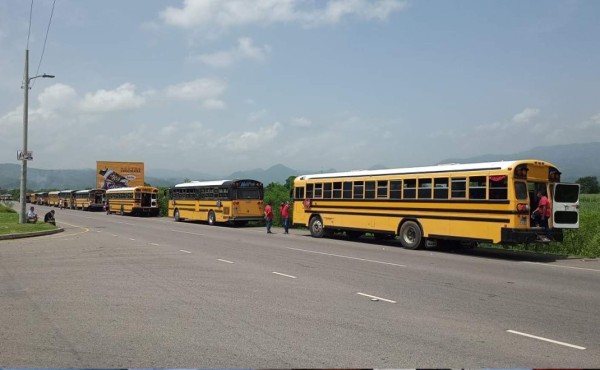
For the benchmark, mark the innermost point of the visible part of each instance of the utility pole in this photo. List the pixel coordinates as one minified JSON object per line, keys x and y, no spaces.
{"x":25,"y":156}
{"x":22,"y":196}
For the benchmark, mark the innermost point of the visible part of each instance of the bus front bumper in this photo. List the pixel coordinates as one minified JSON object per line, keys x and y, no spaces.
{"x":520,"y":236}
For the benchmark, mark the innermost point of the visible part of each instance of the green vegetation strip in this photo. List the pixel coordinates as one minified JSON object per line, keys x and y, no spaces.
{"x":9,"y":223}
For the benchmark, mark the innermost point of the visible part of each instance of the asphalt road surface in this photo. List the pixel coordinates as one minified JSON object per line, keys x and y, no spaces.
{"x":118,"y":291}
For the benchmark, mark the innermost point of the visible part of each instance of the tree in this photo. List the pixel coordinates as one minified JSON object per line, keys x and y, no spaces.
{"x":589,"y":185}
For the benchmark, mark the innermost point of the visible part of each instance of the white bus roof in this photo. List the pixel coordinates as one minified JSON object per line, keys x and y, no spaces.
{"x":116,"y":190}
{"x":502,"y":165}
{"x":201,"y":183}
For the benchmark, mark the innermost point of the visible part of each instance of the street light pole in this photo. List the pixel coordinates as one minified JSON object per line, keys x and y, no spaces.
{"x":25,"y":153}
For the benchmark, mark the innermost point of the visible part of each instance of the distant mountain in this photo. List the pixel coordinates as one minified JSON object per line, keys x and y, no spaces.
{"x":573,"y":160}
{"x":278,"y":173}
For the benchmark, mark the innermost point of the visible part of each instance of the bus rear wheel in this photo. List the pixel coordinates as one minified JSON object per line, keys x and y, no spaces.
{"x":316,"y":227}
{"x":410,"y":235}
{"x":211,"y":218}
{"x":176,"y":216}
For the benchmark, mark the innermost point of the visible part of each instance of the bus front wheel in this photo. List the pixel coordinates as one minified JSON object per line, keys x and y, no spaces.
{"x":316,"y":227}
{"x":176,"y":216}
{"x":211,"y":218}
{"x":410,"y":235}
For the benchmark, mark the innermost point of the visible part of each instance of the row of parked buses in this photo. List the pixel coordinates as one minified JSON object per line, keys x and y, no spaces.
{"x":458,"y":203}
{"x":137,"y":201}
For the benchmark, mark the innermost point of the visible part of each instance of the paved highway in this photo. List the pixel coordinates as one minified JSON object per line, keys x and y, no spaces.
{"x":117,"y":291}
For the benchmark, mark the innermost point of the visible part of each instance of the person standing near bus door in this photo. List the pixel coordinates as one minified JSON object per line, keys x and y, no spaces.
{"x":285,"y":216}
{"x":543,"y":213}
{"x":269,"y":217}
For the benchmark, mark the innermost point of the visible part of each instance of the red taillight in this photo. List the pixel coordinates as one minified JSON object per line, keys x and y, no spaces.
{"x":236,"y":203}
{"x":523,"y":207}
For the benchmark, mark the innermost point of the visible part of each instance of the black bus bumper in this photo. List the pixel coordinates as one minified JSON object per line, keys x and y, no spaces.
{"x":520,"y":236}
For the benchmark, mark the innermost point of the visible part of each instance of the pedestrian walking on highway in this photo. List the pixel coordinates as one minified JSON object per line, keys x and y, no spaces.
{"x":269,"y":217}
{"x":285,"y":216}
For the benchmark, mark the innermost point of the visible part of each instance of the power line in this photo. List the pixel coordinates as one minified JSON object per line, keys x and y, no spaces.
{"x":30,"y":15}
{"x":45,"y":39}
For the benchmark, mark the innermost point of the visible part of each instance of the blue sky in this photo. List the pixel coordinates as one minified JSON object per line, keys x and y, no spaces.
{"x":220,"y":86}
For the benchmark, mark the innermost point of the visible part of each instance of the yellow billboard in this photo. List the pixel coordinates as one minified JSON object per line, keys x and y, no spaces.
{"x":110,"y":175}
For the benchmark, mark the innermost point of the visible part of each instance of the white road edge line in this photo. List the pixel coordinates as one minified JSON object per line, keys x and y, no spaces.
{"x":546,"y":339}
{"x":158,"y":245}
{"x":352,"y":258}
{"x":132,"y":239}
{"x":379,"y":298}
{"x":279,"y":273}
{"x":218,"y":259}
{"x":559,"y":266}
{"x":184,"y":251}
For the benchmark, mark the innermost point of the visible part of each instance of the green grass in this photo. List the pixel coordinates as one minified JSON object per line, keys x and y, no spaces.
{"x":9,"y":223}
{"x":584,"y":241}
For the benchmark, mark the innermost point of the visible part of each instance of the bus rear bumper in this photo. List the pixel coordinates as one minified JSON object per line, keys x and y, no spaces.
{"x":520,"y":236}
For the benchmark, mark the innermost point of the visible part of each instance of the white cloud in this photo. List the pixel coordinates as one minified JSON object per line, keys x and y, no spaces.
{"x":526,"y":115}
{"x":200,"y":89}
{"x":214,"y":104}
{"x":300,"y":122}
{"x":252,"y":141}
{"x":232,"y":13}
{"x":244,"y":50}
{"x":103,"y":101}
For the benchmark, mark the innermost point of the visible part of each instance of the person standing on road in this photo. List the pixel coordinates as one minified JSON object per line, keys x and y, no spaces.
{"x":269,"y":217}
{"x":543,"y":213}
{"x":285,"y":216}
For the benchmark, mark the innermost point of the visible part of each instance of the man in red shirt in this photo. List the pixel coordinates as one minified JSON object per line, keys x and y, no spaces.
{"x":269,"y":217}
{"x":543,"y":213}
{"x":285,"y":216}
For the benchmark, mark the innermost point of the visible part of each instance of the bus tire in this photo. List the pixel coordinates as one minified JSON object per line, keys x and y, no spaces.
{"x":176,"y":216}
{"x":316,"y":227}
{"x":211,"y":218}
{"x":410,"y":235}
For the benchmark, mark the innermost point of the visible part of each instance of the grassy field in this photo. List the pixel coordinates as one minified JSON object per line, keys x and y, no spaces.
{"x":584,"y":241}
{"x":9,"y":222}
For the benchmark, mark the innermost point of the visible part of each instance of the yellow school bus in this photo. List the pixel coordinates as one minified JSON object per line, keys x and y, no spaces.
{"x":53,"y":198}
{"x":135,"y":201}
{"x":467,"y":203}
{"x":89,"y":200}
{"x":66,"y":197}
{"x":233,"y":201}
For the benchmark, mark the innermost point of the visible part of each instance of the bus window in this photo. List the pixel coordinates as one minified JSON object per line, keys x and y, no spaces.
{"x":477,"y":187}
{"x":370,"y":190}
{"x":327,"y":190}
{"x":459,"y":187}
{"x":358,"y":189}
{"x":410,"y":189}
{"x":299,"y":192}
{"x":520,"y":190}
{"x":382,"y":189}
{"x":318,"y":190}
{"x":337,"y":190}
{"x":396,"y":189}
{"x":499,"y":187}
{"x":440,"y":188}
{"x":424,"y":188}
{"x":309,"y":190}
{"x":347,"y":190}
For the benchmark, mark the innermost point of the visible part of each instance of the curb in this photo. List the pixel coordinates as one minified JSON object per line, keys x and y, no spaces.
{"x":28,"y":235}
